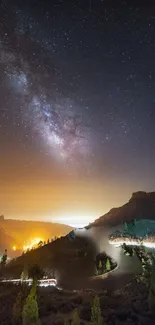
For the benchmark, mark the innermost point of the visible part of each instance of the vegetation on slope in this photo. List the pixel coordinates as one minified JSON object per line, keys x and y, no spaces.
{"x":16,"y":232}
{"x":69,"y":259}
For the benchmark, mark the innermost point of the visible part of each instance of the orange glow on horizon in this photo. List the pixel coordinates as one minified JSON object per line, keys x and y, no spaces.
{"x":75,"y":221}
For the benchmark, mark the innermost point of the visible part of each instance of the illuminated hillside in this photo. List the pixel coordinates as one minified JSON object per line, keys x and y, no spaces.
{"x":19,"y":235}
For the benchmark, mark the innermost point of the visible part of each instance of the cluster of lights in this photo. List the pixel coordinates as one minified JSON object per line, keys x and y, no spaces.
{"x":132,"y":242}
{"x":41,"y":283}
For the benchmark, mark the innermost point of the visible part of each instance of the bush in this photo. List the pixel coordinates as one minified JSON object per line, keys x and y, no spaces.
{"x":75,"y":318}
{"x":30,"y":313}
{"x":96,"y":312}
{"x":35,"y":272}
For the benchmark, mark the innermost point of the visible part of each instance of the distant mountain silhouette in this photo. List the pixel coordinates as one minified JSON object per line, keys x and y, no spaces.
{"x":140,"y":206}
{"x":16,"y":232}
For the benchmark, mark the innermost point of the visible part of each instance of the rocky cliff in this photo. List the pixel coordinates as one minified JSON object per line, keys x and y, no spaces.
{"x":141,"y":205}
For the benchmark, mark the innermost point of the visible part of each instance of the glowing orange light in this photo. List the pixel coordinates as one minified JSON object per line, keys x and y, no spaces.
{"x":33,"y":243}
{"x":14,"y":248}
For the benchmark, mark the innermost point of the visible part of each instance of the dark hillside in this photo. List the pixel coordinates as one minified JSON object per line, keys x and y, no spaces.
{"x":124,"y":306}
{"x":69,"y":259}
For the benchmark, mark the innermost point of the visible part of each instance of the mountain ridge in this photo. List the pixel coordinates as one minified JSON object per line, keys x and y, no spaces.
{"x":141,"y":205}
{"x":16,"y":232}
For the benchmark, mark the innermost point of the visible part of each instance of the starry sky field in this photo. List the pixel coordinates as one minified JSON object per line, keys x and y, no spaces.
{"x":77,"y":107}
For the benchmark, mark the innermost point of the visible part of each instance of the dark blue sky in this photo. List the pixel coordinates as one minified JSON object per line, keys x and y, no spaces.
{"x":77,"y":105}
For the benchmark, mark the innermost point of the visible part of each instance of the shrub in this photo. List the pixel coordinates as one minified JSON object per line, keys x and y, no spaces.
{"x":96,"y":312}
{"x":75,"y":318}
{"x":30,"y":313}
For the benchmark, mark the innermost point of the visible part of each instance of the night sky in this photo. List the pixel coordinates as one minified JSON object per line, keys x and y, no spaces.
{"x":77,"y":107}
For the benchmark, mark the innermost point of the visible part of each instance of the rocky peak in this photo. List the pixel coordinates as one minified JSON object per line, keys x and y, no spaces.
{"x":142,"y":195}
{"x":138,"y":195}
{"x":140,"y":206}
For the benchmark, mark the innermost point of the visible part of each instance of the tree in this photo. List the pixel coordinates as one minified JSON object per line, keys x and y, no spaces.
{"x":96,"y":312}
{"x":24,"y":274}
{"x":4,"y":258}
{"x":48,"y":241}
{"x":40,"y":244}
{"x":17,"y":309}
{"x":95,"y":270}
{"x":108,"y":266}
{"x":30,"y":314}
{"x":75,"y":318}
{"x":128,"y":251}
{"x":35,"y":272}
{"x":100,"y":264}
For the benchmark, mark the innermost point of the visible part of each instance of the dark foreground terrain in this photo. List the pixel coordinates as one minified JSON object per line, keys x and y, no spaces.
{"x":126,"y":306}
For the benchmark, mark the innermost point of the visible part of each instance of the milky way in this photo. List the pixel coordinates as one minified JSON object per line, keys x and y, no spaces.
{"x":77,"y":105}
{"x":82,"y":78}
{"x":55,"y":121}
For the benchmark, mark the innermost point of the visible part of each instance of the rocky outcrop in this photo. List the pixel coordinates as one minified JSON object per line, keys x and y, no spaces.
{"x":140,"y":206}
{"x":142,"y":195}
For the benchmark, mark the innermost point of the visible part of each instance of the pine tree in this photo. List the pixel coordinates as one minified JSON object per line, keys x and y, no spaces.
{"x":96,"y":312}
{"x":75,"y":318}
{"x":17,"y":309}
{"x":40,"y":244}
{"x":108,"y":266}
{"x":95,"y":270}
{"x":4,"y":258}
{"x":30,"y":313}
{"x":35,"y":272}
{"x":100,"y":264}
{"x":24,"y":274}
